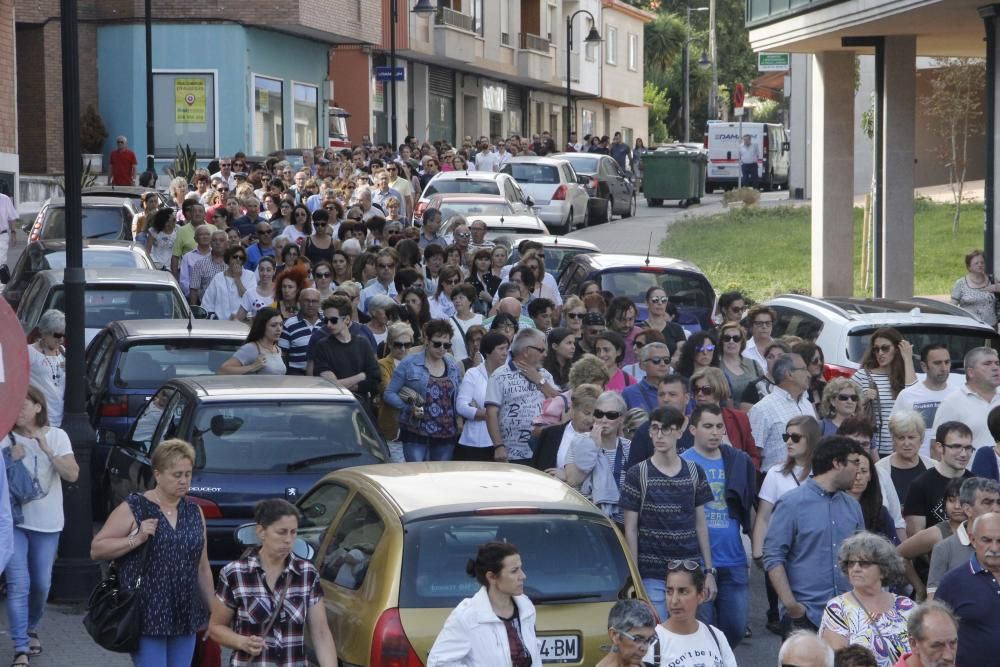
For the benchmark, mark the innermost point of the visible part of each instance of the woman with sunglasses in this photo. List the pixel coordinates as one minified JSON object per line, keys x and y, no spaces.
{"x":423,"y":388}
{"x":301,"y":227}
{"x":320,"y":245}
{"x":224,"y":293}
{"x":659,"y":320}
{"x":739,"y":370}
{"x":260,"y":296}
{"x":398,"y":344}
{"x":323,"y":278}
{"x":886,"y":368}
{"x":812,"y":355}
{"x":632,"y":630}
{"x":841,"y":399}
{"x":682,"y":634}
{"x":802,"y":434}
{"x":572,"y":315}
{"x":595,"y":462}
{"x":709,"y":386}
{"x":475,"y":443}
{"x":700,"y":351}
{"x":441,"y":306}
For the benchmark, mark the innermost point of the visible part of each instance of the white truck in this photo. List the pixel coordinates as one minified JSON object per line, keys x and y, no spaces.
{"x":722,"y":142}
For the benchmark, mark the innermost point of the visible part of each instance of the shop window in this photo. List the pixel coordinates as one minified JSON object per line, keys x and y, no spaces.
{"x":184,"y":109}
{"x":268,"y":121}
{"x":305,"y":109}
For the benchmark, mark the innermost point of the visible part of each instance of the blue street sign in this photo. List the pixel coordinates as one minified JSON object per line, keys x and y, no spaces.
{"x":385,"y":74}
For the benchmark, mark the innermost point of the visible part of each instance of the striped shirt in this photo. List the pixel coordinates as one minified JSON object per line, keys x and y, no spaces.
{"x":882,"y":408}
{"x":294,"y":340}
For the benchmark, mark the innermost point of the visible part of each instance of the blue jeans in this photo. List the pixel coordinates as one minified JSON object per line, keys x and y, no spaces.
{"x":164,"y":651}
{"x":419,"y":451}
{"x":728,"y":611}
{"x":29,"y":577}
{"x":656,"y":589}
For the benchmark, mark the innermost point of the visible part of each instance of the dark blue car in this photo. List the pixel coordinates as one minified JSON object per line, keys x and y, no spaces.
{"x":255,"y":437}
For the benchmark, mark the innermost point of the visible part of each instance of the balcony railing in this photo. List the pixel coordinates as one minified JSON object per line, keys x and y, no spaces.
{"x":534,"y":42}
{"x":450,"y":17}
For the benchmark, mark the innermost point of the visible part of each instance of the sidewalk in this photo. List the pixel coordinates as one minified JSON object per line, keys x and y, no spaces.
{"x":64,"y":640}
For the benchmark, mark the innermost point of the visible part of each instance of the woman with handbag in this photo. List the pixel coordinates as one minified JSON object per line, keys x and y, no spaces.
{"x":158,"y":541}
{"x":268,"y":589}
{"x":46,"y":454}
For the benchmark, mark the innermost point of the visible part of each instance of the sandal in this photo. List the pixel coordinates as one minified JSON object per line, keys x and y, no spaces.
{"x":17,"y":660}
{"x":34,"y":644}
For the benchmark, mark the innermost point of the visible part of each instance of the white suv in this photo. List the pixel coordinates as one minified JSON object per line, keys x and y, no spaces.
{"x":842,"y":326}
{"x":476,"y":183}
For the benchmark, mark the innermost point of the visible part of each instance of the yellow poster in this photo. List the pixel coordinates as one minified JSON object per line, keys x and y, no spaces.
{"x":189,"y":97}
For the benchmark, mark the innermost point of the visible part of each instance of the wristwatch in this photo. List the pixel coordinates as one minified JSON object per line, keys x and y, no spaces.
{"x":711,"y":571}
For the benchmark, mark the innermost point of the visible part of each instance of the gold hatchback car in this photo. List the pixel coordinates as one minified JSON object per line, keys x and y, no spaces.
{"x":392,"y":542}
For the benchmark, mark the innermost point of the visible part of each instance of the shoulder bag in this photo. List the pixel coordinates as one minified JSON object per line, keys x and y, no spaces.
{"x":23,"y":486}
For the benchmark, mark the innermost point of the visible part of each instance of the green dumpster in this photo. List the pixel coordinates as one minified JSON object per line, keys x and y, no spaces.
{"x":675,"y":174}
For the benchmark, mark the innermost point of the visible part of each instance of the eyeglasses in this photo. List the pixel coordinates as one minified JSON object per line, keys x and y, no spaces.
{"x":438,"y":344}
{"x":881,"y":349}
{"x":242,"y":258}
{"x":332,"y":320}
{"x":321,"y":275}
{"x":655,"y":428}
{"x":677,"y":565}
{"x":658,"y":361}
{"x":463,"y":235}
{"x":732,"y":338}
{"x":704,"y":390}
{"x":639,"y":639}
{"x":539,"y":350}
{"x":658,"y":299}
{"x":763,"y":323}
{"x":954,"y":447}
{"x":705,"y":348}
{"x":794,"y":437}
{"x":847,"y":397}
{"x":58,"y":334}
{"x":402,"y":345}
{"x":453,"y":281}
{"x":575,"y":316}
{"x":848,"y":564}
{"x":225,"y":164}
{"x":610,"y":414}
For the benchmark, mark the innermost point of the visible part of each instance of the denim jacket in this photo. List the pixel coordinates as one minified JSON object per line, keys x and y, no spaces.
{"x":412,"y":372}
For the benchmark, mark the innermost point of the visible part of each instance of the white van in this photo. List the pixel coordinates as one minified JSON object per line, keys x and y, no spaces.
{"x":722,"y":142}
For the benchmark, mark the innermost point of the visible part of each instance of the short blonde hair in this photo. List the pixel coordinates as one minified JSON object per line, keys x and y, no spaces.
{"x":905,"y":422}
{"x":588,"y":369}
{"x":714,"y":378}
{"x":169,"y":452}
{"x":834,"y":387}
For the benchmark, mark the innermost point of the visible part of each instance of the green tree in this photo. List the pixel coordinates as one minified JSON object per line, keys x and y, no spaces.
{"x":659,"y":112}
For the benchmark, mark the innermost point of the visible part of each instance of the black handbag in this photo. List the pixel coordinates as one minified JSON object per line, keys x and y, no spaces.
{"x":114,"y":618}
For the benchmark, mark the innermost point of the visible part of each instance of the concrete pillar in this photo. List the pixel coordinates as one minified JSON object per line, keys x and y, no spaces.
{"x":421,"y":117}
{"x":832,"y":173}
{"x":798,"y":125}
{"x":900,"y":78}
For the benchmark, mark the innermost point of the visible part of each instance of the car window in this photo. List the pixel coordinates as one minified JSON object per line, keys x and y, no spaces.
{"x":319,"y":508}
{"x":149,"y":365}
{"x":113,"y":303}
{"x":435,"y":552}
{"x":532,"y":173}
{"x":509,"y":192}
{"x":149,"y":417}
{"x":98,"y":357}
{"x":284,"y":436}
{"x":171,"y":427}
{"x":350,"y":549}
{"x":959,"y":340}
{"x":568,"y":279}
{"x":99,"y":259}
{"x":683,"y":289}
{"x":466,"y":186}
{"x":30,"y":308}
{"x":792,"y":322}
{"x":99,"y":222}
{"x":581,"y":164}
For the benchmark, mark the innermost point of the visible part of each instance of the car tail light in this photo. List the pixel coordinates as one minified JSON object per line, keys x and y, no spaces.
{"x":390,"y":646}
{"x":593,"y":184}
{"x":495,"y":511}
{"x":705,"y":143}
{"x":831,"y":371}
{"x":560,"y":193}
{"x":766,"y":144}
{"x":114,"y":406}
{"x":210,"y":509}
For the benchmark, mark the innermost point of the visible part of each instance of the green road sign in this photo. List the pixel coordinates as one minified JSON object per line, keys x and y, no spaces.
{"x":773,"y":62}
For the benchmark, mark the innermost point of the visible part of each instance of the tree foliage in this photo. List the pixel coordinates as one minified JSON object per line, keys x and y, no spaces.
{"x":659,"y":112}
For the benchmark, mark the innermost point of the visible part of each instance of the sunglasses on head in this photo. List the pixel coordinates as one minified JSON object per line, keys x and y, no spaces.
{"x":677,"y":565}
{"x":438,"y":344}
{"x":609,"y":414}
{"x":794,"y":437}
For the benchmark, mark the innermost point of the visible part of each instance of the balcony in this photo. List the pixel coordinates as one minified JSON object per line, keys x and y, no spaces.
{"x":455,"y":36}
{"x":534,"y":59}
{"x":760,"y":12}
{"x":455,"y":19}
{"x":534,"y":43}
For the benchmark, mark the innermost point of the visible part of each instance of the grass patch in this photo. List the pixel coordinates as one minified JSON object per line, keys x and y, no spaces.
{"x":765,"y":251}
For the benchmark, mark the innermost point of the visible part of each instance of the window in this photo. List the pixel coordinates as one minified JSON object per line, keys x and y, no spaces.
{"x":505,"y":22}
{"x":184,"y":107}
{"x":305,"y":110}
{"x":352,"y":545}
{"x":147,"y":365}
{"x":148,"y":418}
{"x":319,"y":508}
{"x":611,"y":47}
{"x":268,"y":123}
{"x":477,"y":17}
{"x":588,"y":123}
{"x":633,"y":52}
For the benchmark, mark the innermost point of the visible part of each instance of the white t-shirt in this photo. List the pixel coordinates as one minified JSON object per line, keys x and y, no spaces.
{"x":44,"y":515}
{"x":697,"y":650}
{"x":564,"y":445}
{"x":253,"y":301}
{"x":458,"y":349}
{"x":48,"y":373}
{"x":292,"y":234}
{"x":925,"y":401}
{"x":777,"y":483}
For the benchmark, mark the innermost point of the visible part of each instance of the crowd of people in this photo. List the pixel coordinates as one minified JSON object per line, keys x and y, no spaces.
{"x":868,"y":501}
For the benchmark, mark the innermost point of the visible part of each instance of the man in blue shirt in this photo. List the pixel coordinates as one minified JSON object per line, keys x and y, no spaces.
{"x":807,"y":527}
{"x":732,"y":479}
{"x":973,"y":593}
{"x":655,"y":360}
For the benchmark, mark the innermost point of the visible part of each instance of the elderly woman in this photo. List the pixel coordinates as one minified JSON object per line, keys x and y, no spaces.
{"x":161,"y":531}
{"x":609,"y":347}
{"x":869,"y":615}
{"x":632,"y":630}
{"x":905,"y":463}
{"x":378,"y":310}
{"x":475,"y":444}
{"x":554,"y":441}
{"x":47,"y":362}
{"x":595,"y":462}
{"x":975,"y":291}
{"x":886,"y":369}
{"x":740,"y":371}
{"x":841,"y":399}
{"x":708,"y":386}
{"x":47,"y":454}
{"x":399,"y":342}
{"x":225,"y":292}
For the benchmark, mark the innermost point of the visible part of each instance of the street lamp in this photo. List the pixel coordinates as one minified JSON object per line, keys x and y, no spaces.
{"x":703,"y":61}
{"x":423,"y":8}
{"x":593,"y":37}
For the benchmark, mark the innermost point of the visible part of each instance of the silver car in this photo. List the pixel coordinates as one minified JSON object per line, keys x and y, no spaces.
{"x":561,"y":200}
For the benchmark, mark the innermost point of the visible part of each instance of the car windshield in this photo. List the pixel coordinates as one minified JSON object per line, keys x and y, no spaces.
{"x":683,"y":289}
{"x":494,"y":232}
{"x":529,"y":174}
{"x":556,"y":259}
{"x":124,"y":302}
{"x":959,"y":340}
{"x":283,"y":436}
{"x":149,"y":365}
{"x":98,"y":259}
{"x":466,"y":186}
{"x":436,"y":550}
{"x":582,"y":165}
{"x":469,"y":209}
{"x":99,"y":222}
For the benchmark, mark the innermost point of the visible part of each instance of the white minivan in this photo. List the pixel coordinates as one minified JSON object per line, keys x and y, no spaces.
{"x":722,"y":141}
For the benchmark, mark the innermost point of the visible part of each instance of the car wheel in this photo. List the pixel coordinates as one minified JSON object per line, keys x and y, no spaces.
{"x":609,"y":210}
{"x":568,"y":226}
{"x":631,"y":208}
{"x":586,"y":217}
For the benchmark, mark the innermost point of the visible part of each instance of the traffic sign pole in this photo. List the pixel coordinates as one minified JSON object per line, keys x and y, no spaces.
{"x":739,"y":97}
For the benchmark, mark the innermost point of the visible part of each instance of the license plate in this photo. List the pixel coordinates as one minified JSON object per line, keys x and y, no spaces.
{"x":557,"y":649}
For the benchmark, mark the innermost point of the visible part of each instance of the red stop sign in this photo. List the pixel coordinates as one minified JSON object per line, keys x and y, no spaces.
{"x":13,"y":368}
{"x":738,"y":95}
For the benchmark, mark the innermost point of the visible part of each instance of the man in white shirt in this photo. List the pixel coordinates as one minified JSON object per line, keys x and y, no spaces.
{"x":486,"y":159}
{"x":226,"y":172}
{"x":925,"y":397}
{"x":770,"y":415}
{"x":749,"y":156}
{"x":971,"y":403}
{"x":761,"y":321}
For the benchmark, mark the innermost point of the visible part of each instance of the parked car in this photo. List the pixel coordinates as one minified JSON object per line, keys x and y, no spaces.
{"x":842,"y":326}
{"x":124,"y":192}
{"x":612,"y":191}
{"x":41,"y":255}
{"x":109,"y":294}
{"x":476,"y":183}
{"x":559,"y":251}
{"x":130,"y":359}
{"x":500,"y":217}
{"x":103,"y":218}
{"x":392,"y":542}
{"x":686,"y":285}
{"x":561,"y":200}
{"x":255,"y":437}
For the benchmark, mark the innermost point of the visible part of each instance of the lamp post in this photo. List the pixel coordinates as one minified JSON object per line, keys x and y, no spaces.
{"x":593,"y":37}
{"x":423,"y":7}
{"x":703,"y":61}
{"x":150,"y":138}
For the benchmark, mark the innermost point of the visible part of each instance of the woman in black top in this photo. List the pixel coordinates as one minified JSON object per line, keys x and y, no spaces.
{"x":320,"y":245}
{"x":483,"y":280}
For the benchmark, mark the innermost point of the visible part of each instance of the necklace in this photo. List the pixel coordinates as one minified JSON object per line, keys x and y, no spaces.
{"x":162,"y":504}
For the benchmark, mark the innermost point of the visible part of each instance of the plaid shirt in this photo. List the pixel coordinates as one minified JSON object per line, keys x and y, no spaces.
{"x":202,"y":273}
{"x":243,"y":588}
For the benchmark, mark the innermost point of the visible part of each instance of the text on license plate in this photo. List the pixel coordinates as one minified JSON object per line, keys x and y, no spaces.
{"x":559,"y":648}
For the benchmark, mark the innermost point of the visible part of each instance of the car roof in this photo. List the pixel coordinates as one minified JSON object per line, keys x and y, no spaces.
{"x":130,"y":190}
{"x":470,"y":175}
{"x":227,"y":329}
{"x":59,"y":202}
{"x":115,"y":275}
{"x":463,"y":197}
{"x":100,"y":245}
{"x":461,"y":487}
{"x":263,"y":387}
{"x":601,"y":261}
{"x":557,"y":241}
{"x":537,"y":159}
{"x":873,"y":311}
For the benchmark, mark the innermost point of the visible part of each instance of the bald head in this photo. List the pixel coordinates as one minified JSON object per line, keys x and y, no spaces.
{"x":309,"y":301}
{"x":509,"y":305}
{"x":805,"y":649}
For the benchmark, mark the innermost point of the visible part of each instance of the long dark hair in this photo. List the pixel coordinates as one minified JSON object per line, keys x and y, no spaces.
{"x":559,"y":373}
{"x":259,"y":323}
{"x":417,"y":320}
{"x":685,"y":365}
{"x":897,"y":371}
{"x":871,"y":499}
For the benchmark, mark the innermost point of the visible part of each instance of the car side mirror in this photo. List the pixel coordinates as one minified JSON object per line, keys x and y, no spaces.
{"x":199,"y":313}
{"x":529,"y":201}
{"x":582,"y":180}
{"x":26,"y":228}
